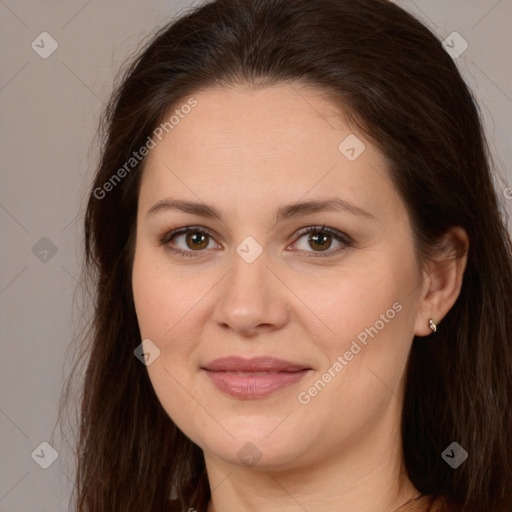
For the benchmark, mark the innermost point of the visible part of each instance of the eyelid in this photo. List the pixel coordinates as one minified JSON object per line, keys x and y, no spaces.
{"x":169,"y":235}
{"x":340,"y":236}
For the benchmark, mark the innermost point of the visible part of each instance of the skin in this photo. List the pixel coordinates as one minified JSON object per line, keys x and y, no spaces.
{"x":247,"y":152}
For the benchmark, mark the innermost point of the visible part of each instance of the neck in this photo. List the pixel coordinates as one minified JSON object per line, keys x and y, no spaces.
{"x":365,"y":475}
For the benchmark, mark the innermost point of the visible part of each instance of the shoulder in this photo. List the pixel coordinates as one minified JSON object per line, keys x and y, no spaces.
{"x":173,"y":506}
{"x":442,"y":504}
{"x":428,"y":503}
{"x":423,"y":503}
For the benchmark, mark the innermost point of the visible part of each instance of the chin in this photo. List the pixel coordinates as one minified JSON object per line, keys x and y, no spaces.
{"x":263,"y":452}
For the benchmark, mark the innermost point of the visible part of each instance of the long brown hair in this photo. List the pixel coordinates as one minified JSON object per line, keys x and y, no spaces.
{"x":401,"y":88}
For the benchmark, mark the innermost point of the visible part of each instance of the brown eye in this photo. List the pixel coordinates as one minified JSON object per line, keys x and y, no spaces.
{"x":320,"y":241}
{"x":196,"y":240}
{"x":321,"y":238}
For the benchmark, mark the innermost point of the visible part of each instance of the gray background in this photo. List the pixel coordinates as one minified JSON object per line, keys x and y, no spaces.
{"x":50,"y":109}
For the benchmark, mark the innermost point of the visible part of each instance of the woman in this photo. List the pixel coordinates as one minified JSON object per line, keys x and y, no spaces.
{"x":303,"y":280}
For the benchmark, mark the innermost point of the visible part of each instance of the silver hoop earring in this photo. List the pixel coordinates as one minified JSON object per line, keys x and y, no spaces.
{"x":432,"y":325}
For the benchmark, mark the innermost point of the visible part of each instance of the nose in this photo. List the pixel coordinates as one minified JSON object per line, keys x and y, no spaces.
{"x":252,"y":299}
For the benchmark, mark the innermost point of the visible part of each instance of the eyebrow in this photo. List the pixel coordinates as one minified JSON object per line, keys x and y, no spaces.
{"x":285,"y":212}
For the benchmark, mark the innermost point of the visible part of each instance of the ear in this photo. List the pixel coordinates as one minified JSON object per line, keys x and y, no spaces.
{"x":442,"y":280}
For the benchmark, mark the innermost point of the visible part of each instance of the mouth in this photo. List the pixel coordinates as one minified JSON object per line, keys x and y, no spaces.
{"x":264,"y":364}
{"x":253,"y":378}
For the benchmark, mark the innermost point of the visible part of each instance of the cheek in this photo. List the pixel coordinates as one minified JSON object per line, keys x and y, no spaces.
{"x":365,"y":360}
{"x":161,"y":307}
{"x":359,"y":297}
{"x":150,"y":301}
{"x":370,"y":314}
{"x":169,"y":313}
{"x":162,"y":296}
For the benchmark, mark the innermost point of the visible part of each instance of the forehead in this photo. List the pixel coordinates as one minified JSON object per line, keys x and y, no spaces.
{"x":251,"y":126}
{"x":267,"y":145}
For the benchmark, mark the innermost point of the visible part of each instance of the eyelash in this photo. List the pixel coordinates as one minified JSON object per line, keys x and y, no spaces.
{"x":339,"y":236}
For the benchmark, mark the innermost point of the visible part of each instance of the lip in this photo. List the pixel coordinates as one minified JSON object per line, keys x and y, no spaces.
{"x":223,"y":373}
{"x":255,"y":364}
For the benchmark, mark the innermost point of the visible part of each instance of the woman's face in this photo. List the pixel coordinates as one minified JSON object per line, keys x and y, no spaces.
{"x":255,"y":285}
